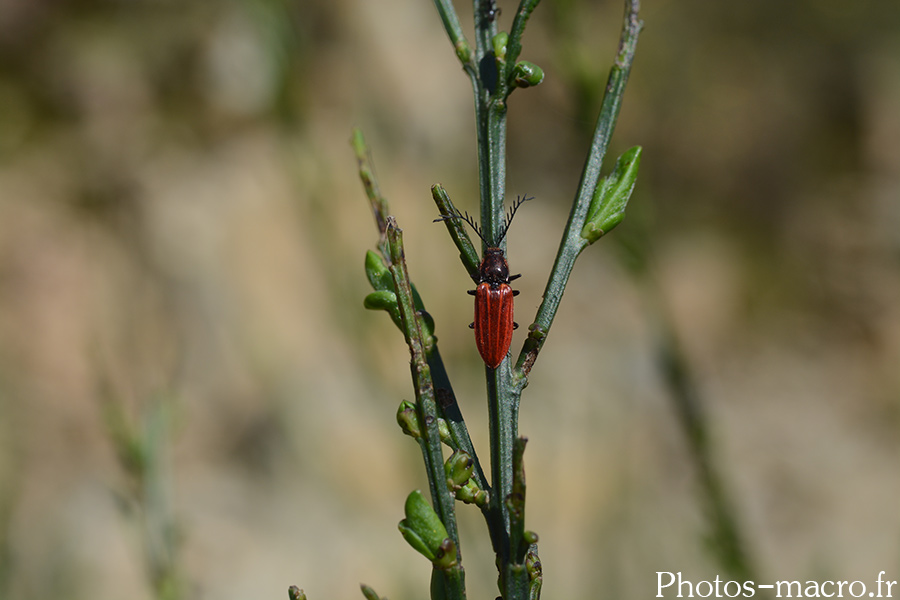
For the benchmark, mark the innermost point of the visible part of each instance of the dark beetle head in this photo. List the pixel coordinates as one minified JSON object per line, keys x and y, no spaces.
{"x":494,"y":269}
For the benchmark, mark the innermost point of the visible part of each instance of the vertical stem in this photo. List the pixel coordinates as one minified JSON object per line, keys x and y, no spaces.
{"x":442,"y":498}
{"x":490,"y":113}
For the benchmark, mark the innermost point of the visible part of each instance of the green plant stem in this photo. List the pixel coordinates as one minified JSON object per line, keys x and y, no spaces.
{"x":141,"y":451}
{"x":447,"y":406}
{"x":516,"y":575}
{"x":514,"y":46}
{"x":430,"y":442}
{"x":572,"y":243}
{"x":492,"y":163}
{"x":455,"y":33}
{"x":490,"y":114}
{"x":458,"y":232}
{"x":373,"y":191}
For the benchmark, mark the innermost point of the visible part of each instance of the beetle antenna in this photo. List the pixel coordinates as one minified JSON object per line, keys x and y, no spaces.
{"x":467,"y":218}
{"x":475,"y":227}
{"x":511,"y":213}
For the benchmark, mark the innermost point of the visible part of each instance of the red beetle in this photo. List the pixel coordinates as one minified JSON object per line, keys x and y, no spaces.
{"x":493,"y":297}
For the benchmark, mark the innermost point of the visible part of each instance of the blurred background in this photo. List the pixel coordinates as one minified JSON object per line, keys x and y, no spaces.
{"x":194,"y":404}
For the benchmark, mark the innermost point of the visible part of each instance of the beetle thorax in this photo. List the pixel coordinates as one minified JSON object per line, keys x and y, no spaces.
{"x":494,"y":269}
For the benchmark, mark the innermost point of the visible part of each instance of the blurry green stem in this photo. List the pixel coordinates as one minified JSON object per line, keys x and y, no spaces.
{"x":141,"y":452}
{"x":373,"y":191}
{"x":725,"y":536}
{"x":572,"y":242}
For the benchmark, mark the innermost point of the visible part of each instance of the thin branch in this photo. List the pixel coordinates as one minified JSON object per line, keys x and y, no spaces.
{"x":455,"y":33}
{"x":572,"y":243}
{"x":442,"y":498}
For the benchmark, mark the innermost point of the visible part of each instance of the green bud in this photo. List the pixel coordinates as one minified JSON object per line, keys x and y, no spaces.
{"x":536,"y":332}
{"x":526,"y":74}
{"x":295,"y":593}
{"x":530,"y":537}
{"x":459,"y":468}
{"x":446,"y":555}
{"x":463,"y":51}
{"x":378,"y":273}
{"x":611,"y":197}
{"x":499,"y":42}
{"x":426,"y":322}
{"x":368,"y":592}
{"x":470,"y":493}
{"x":444,"y":431}
{"x":422,"y":528}
{"x":384,"y":297}
{"x":381,"y":300}
{"x":535,"y":573}
{"x":408,"y":419}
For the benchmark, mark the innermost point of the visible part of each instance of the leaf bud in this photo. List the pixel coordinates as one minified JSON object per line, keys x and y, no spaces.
{"x":499,"y":42}
{"x":422,"y":528}
{"x":611,"y":196}
{"x":384,"y":300}
{"x":463,"y":51}
{"x":295,"y":593}
{"x":459,"y":468}
{"x":526,"y":74}
{"x":378,"y":273}
{"x":470,"y":493}
{"x":408,"y":419}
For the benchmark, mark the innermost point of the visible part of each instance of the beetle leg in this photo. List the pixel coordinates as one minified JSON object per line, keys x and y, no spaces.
{"x":515,"y":292}
{"x":471,"y":325}
{"x":511,"y":277}
{"x":515,"y":325}
{"x":471,"y":292}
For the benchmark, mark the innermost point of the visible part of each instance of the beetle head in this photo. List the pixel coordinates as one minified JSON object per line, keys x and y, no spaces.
{"x":494,"y":268}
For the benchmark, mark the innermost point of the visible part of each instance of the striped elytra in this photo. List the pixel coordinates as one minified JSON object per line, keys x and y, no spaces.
{"x":493,"y":322}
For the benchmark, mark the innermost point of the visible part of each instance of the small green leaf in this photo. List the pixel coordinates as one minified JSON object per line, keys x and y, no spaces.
{"x":408,"y":419}
{"x":422,"y":527}
{"x":526,"y":74}
{"x":444,"y":432}
{"x":377,"y":272}
{"x":611,"y":196}
{"x":384,"y":300}
{"x":384,"y":297}
{"x":499,"y":42}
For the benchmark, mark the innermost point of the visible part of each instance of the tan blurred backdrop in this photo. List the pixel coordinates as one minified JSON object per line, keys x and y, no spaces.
{"x":182,"y":235}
